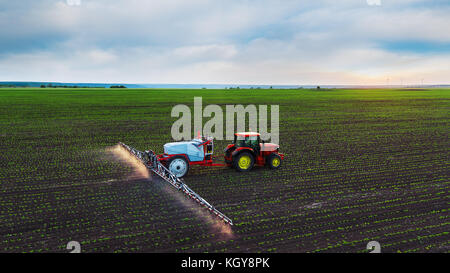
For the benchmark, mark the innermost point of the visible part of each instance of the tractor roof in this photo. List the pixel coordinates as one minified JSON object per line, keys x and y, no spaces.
{"x":247,"y":134}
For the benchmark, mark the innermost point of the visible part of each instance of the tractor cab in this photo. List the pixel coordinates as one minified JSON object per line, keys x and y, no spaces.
{"x":251,"y":140}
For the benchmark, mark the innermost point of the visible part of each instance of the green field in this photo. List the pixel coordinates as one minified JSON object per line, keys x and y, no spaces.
{"x":360,"y":165}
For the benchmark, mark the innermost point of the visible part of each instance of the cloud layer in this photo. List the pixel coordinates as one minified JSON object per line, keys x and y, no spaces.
{"x":240,"y":42}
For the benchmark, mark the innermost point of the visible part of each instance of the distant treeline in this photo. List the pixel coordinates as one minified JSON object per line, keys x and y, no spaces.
{"x":66,"y":86}
{"x":76,"y":86}
{"x":57,"y":86}
{"x":50,"y":85}
{"x":271,"y":87}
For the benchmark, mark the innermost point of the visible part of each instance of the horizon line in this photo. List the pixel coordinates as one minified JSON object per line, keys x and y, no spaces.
{"x":224,"y":84}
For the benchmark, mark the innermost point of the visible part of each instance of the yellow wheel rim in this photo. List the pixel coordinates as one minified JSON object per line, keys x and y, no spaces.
{"x":276,"y":162}
{"x":244,"y":162}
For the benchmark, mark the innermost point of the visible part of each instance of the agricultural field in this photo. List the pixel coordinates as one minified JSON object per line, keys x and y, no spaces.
{"x":360,"y":166}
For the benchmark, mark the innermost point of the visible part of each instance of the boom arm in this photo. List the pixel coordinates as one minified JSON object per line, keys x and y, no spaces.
{"x":150,"y":160}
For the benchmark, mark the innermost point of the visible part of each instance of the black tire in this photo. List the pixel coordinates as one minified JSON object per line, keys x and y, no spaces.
{"x":238,"y":157}
{"x":271,"y":160}
{"x":177,"y":169}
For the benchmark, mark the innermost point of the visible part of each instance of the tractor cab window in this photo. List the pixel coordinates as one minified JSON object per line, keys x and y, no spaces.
{"x":249,"y":141}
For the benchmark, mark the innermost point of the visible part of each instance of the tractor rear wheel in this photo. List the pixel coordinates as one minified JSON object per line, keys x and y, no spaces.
{"x":274,"y":161}
{"x":243,"y":162}
{"x":178,"y":165}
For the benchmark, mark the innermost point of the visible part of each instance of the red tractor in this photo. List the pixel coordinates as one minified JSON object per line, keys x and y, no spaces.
{"x":248,"y":149}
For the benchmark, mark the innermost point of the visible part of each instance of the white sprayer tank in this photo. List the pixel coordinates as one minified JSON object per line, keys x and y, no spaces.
{"x":189,"y":148}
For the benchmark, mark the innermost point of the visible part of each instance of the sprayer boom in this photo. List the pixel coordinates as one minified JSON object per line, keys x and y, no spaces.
{"x":150,"y":160}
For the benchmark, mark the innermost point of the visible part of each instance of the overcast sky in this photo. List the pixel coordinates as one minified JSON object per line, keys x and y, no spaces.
{"x":240,"y":42}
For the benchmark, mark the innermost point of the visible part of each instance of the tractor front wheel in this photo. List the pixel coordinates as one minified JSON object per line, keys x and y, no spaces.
{"x":274,"y":161}
{"x":244,"y":162}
